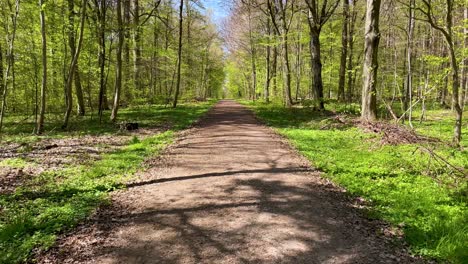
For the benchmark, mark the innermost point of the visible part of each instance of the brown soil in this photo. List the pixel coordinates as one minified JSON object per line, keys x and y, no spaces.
{"x":229,"y":191}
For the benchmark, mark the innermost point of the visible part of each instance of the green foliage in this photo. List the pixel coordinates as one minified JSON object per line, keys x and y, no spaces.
{"x":55,"y":201}
{"x":434,"y":217}
{"x":17,"y":129}
{"x":17,"y":163}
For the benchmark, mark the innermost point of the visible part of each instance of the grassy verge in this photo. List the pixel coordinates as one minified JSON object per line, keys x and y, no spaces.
{"x":32,"y":216}
{"x":19,"y":128}
{"x":393,"y":178}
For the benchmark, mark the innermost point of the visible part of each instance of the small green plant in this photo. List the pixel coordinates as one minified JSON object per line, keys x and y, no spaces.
{"x":135,"y":140}
{"x":16,"y":163}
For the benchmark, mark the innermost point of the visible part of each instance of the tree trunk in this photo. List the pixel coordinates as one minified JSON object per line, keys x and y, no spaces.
{"x":350,"y":67}
{"x":179,"y":53}
{"x":40,"y":122}
{"x":137,"y":45}
{"x":101,"y":10}
{"x":287,"y":71}
{"x":127,"y":75}
{"x":71,"y":43}
{"x":455,"y":102}
{"x":252,"y":59}
{"x":79,"y":92}
{"x":447,"y":32}
{"x":464,"y":72}
{"x":274,"y":70}
{"x":371,"y":46}
{"x":268,"y":66}
{"x":409,"y":65}
{"x":9,"y":59}
{"x":2,"y":87}
{"x":298,"y":61}
{"x":118,"y":74}
{"x":344,"y":51}
{"x":71,"y":71}
{"x":316,"y":66}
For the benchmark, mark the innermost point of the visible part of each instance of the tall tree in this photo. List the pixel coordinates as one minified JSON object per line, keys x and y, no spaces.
{"x":282,"y":14}
{"x":137,"y":45}
{"x":118,"y":69}
{"x":40,"y":121}
{"x":447,"y":31}
{"x":318,"y":16}
{"x":179,"y":53}
{"x":464,"y":73}
{"x":344,"y":51}
{"x":409,"y":62}
{"x":253,"y":52}
{"x":371,"y":47}
{"x":101,"y":11}
{"x":11,"y":36}
{"x":268,"y":74}
{"x":72,"y":44}
{"x":351,"y":40}
{"x":72,"y":69}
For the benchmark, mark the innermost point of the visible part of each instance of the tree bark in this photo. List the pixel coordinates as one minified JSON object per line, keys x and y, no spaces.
{"x":118,"y":74}
{"x":371,"y":47}
{"x":101,"y":9}
{"x":298,"y":67}
{"x":252,"y":58}
{"x":287,"y":71}
{"x":137,"y":45}
{"x":127,"y":66}
{"x":268,"y":66}
{"x":409,"y":64}
{"x":11,"y":36}
{"x":40,"y":122}
{"x":350,"y":66}
{"x":464,"y":71}
{"x":318,"y":15}
{"x":344,"y":51}
{"x":282,"y":29}
{"x":71,"y":43}
{"x":71,"y":71}
{"x":179,"y":53}
{"x":2,"y":88}
{"x":316,"y":67}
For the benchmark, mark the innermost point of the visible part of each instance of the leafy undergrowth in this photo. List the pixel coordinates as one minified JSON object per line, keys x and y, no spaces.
{"x":35,"y":213}
{"x":19,"y":129}
{"x":404,"y":185}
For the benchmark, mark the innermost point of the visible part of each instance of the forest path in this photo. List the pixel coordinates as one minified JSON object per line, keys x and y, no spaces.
{"x":229,"y":191}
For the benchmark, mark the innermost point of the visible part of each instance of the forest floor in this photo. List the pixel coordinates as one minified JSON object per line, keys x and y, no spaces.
{"x":230,"y":190}
{"x":49,"y":183}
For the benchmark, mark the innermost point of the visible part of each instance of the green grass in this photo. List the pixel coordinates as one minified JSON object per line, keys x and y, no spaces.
{"x":434,"y":217}
{"x":55,"y":201}
{"x":18,"y":129}
{"x":16,"y":163}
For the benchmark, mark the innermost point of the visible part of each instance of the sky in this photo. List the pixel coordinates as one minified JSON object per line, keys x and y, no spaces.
{"x":219,"y":8}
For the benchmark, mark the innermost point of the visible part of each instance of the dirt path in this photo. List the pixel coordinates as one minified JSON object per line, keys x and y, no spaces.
{"x":229,"y":191}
